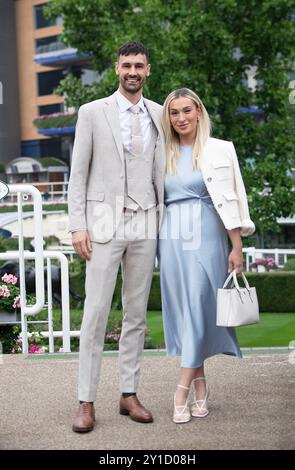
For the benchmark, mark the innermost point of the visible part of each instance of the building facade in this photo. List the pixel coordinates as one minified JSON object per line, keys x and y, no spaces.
{"x":9,"y":94}
{"x":43,"y":61}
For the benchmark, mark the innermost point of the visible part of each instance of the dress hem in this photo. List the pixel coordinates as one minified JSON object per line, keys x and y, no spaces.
{"x":229,"y":353}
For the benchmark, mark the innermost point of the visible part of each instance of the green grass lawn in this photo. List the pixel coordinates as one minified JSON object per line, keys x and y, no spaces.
{"x":274,"y":329}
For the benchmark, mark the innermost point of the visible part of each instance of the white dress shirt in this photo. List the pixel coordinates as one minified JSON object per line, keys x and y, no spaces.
{"x":125,"y":116}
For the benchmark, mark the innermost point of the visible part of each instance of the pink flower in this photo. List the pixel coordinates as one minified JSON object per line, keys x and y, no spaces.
{"x":16,"y":350}
{"x":16,"y":302}
{"x":9,"y":279}
{"x":34,"y":349}
{"x":4,"y":291}
{"x":40,"y":350}
{"x":270,"y":263}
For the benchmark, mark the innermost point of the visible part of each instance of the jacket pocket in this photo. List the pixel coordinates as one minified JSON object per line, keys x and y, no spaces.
{"x":230,"y":196}
{"x":94,"y":196}
{"x":222,"y":169}
{"x":232,"y":204}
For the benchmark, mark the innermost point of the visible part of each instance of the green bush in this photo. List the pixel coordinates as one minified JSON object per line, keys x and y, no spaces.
{"x":290,"y":265}
{"x":275,"y":291}
{"x":8,"y":337}
{"x":11,"y":244}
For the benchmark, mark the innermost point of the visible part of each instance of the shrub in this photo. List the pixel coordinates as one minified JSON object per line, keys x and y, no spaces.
{"x":290,"y":265}
{"x":8,"y":337}
{"x":275,"y":290}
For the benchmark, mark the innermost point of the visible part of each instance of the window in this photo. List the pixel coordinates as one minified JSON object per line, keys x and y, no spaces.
{"x":47,"y":81}
{"x":50,"y":109}
{"x":50,"y":147}
{"x":49,"y":44}
{"x":41,"y":21}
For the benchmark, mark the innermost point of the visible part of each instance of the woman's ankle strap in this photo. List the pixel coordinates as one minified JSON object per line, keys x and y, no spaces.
{"x":183,"y":386}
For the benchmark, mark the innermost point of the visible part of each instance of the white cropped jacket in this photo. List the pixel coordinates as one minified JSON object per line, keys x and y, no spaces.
{"x":221,"y":172}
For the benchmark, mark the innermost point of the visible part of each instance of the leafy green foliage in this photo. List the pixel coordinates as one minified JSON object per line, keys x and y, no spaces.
{"x":8,"y":337}
{"x":290,"y":265}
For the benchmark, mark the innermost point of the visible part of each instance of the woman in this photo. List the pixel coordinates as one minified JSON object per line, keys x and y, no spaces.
{"x":205,"y":203}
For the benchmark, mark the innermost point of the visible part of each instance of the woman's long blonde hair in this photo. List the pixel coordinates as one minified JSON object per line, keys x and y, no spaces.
{"x":172,"y":138}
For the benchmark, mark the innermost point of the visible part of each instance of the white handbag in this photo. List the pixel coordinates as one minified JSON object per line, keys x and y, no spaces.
{"x":237,"y":306}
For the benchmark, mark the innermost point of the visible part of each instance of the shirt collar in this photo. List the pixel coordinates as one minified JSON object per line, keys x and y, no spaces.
{"x":125,"y":104}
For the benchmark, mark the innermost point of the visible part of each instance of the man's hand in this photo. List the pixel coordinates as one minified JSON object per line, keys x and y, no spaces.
{"x":82,"y":244}
{"x":235,"y":261}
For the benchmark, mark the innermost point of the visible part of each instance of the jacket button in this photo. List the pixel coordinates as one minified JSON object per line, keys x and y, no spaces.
{"x":209,"y":179}
{"x":219,"y":205}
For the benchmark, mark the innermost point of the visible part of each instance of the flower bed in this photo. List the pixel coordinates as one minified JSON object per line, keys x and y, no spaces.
{"x":56,"y":120}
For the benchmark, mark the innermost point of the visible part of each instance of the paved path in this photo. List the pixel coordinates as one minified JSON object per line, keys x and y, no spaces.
{"x":252,"y":404}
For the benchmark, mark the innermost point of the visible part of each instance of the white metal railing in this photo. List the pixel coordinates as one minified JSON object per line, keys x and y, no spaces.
{"x":56,"y":192}
{"x":280,"y":255}
{"x":65,"y":302}
{"x":22,"y":190}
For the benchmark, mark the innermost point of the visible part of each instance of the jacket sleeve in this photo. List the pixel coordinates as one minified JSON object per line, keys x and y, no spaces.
{"x":247,"y":225}
{"x":81,"y":158}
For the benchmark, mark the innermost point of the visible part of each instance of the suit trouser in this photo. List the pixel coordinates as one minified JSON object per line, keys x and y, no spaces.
{"x":135,"y":250}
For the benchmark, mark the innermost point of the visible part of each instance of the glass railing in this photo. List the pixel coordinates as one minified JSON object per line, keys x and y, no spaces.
{"x":53,"y":46}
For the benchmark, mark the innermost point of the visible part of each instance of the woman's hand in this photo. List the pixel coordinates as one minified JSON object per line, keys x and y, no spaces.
{"x":235,"y":260}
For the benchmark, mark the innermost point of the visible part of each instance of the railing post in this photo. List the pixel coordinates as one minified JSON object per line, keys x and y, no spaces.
{"x":276,"y":252}
{"x":49,"y":306}
{"x":39,"y":261}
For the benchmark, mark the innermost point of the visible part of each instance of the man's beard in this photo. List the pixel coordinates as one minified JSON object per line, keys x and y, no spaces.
{"x":132,"y":88}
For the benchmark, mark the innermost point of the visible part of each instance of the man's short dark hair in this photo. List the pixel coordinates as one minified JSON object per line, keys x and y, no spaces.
{"x":133,"y":47}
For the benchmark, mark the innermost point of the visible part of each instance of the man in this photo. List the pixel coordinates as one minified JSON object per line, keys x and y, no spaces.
{"x":115,"y":200}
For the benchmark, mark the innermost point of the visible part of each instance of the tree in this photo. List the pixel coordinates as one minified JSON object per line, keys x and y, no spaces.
{"x":208,"y":46}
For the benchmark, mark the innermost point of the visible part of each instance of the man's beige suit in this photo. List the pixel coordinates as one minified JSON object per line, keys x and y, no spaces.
{"x":97,"y":190}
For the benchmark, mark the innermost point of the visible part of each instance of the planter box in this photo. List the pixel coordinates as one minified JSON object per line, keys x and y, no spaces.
{"x":9,"y":317}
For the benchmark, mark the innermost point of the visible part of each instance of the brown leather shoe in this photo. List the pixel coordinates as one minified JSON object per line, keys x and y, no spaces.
{"x":84,"y":421}
{"x":131,"y":406}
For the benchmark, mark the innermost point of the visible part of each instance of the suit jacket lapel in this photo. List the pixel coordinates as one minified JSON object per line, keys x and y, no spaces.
{"x":112,"y":114}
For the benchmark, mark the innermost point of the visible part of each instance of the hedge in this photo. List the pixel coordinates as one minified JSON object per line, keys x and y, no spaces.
{"x":275,"y":291}
{"x":290,"y":265}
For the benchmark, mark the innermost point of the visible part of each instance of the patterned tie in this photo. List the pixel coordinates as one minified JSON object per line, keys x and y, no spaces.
{"x":136,"y":131}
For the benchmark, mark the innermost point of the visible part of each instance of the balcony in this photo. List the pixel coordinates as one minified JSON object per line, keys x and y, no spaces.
{"x":56,"y":124}
{"x":56,"y":54}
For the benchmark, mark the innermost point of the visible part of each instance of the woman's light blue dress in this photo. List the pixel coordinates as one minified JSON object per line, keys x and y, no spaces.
{"x":193,"y":256}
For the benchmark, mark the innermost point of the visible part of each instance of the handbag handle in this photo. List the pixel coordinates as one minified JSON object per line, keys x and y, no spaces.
{"x":233,"y":275}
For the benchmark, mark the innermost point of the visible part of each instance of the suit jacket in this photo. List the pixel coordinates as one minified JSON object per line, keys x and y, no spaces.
{"x":222,"y":176}
{"x":97,"y":181}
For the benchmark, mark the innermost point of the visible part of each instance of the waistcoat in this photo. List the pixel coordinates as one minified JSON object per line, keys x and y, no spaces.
{"x":139,"y":189}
